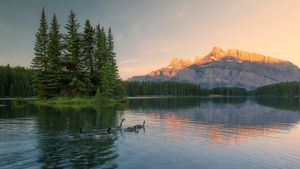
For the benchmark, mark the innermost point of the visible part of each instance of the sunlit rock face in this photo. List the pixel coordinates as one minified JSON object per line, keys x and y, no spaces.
{"x":217,"y":54}
{"x":170,"y":71}
{"x":231,"y":68}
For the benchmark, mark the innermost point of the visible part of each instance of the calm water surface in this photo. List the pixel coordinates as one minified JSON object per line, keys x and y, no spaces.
{"x":179,"y":133}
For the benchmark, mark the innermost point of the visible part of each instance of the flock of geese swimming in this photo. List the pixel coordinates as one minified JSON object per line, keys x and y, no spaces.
{"x":110,"y":132}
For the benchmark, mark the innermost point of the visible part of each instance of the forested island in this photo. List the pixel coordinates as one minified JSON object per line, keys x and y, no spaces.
{"x":74,"y":64}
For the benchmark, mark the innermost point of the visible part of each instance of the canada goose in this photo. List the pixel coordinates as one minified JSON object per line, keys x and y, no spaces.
{"x":106,"y":135}
{"x":130,"y":129}
{"x":118,"y":127}
{"x":139,"y":126}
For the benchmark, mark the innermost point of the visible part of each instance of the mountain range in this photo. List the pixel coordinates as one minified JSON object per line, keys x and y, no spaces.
{"x":231,"y":68}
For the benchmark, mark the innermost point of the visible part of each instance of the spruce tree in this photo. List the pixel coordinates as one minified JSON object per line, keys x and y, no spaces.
{"x":40,"y":47}
{"x":40,"y":61}
{"x":113,"y":69}
{"x":89,"y":58}
{"x":88,"y":48}
{"x":112,"y":55}
{"x":55,"y":65}
{"x":102,"y":66}
{"x":72,"y":58}
{"x":72,"y":45}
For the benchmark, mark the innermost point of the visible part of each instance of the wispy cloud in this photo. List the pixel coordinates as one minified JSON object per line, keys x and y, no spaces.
{"x":157,"y":47}
{"x":163,"y":50}
{"x":123,"y":62}
{"x":132,"y":69}
{"x":128,"y":72}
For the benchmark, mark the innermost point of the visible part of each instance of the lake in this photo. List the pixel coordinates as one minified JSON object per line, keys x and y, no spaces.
{"x":227,"y":133}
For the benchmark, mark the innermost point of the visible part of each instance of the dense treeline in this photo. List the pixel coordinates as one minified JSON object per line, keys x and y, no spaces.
{"x":136,"y":88}
{"x":228,"y":91}
{"x":16,"y":82}
{"x":284,"y":103}
{"x":75,"y":63}
{"x":279,"y":89}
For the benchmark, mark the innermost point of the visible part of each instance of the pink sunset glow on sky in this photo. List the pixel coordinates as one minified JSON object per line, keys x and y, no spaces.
{"x":148,"y":34}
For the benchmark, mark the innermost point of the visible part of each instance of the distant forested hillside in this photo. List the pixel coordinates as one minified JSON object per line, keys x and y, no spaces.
{"x":16,"y":82}
{"x":229,"y":91}
{"x":143,"y":88}
{"x":279,"y":89}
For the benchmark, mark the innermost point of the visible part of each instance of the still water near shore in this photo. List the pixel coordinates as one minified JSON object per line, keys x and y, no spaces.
{"x":179,"y":133}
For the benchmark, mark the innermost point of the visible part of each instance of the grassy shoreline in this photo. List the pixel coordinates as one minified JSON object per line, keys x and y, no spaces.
{"x":76,"y":102}
{"x":99,"y":101}
{"x":180,"y":96}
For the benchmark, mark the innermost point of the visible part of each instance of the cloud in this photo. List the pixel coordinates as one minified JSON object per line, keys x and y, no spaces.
{"x":166,"y":50}
{"x":157,"y":45}
{"x":127,"y":72}
{"x":158,"y":50}
{"x":123,"y":62}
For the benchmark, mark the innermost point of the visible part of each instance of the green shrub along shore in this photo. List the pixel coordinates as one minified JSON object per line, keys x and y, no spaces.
{"x":84,"y":101}
{"x":76,"y":102}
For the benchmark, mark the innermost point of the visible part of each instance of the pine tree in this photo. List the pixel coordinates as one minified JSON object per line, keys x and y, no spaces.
{"x":102,"y":66}
{"x":88,"y":48}
{"x":113,"y":75}
{"x":72,"y":45}
{"x":112,"y":55}
{"x":72,"y":57}
{"x":53,"y":74}
{"x":89,"y":58}
{"x":40,"y":61}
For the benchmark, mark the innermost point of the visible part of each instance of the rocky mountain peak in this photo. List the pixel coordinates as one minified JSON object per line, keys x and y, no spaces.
{"x":179,"y":63}
{"x":231,"y":68}
{"x":217,"y":53}
{"x":171,"y":70}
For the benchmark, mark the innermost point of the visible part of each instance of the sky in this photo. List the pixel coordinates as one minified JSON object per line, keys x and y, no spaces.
{"x":149,"y":33}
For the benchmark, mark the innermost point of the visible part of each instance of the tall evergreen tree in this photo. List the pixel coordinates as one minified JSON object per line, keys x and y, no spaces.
{"x":53,"y":83}
{"x":72,"y":58}
{"x":89,"y":59}
{"x":113,"y":75}
{"x":41,"y":44}
{"x":88,"y":48}
{"x":40,"y":61}
{"x":112,"y":55}
{"x":102,"y":66}
{"x":72,"y":45}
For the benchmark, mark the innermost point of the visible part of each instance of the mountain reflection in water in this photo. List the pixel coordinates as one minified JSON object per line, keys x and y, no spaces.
{"x":179,"y":133}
